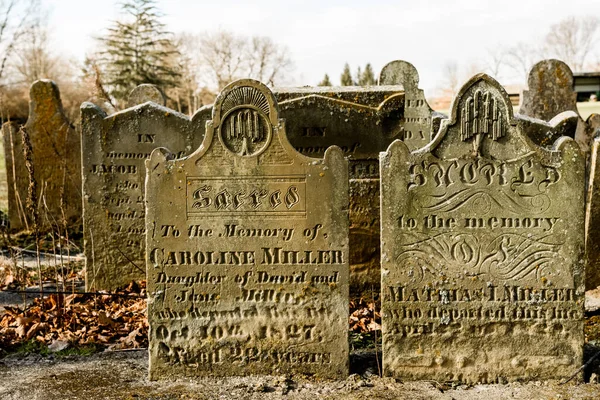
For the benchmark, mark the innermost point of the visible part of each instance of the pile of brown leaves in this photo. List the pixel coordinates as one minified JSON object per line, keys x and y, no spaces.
{"x":364,"y":316}
{"x":117,"y":321}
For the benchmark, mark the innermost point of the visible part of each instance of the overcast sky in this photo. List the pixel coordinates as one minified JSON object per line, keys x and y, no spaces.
{"x":323,"y":35}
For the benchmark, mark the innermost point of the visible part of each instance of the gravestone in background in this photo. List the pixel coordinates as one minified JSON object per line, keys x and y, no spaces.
{"x":247,"y":250}
{"x":592,"y":223}
{"x":550,"y":92}
{"x":421,"y":123}
{"x":56,"y":159}
{"x":482,"y":244}
{"x":114,"y":148}
{"x":362,"y":121}
{"x":146,"y":92}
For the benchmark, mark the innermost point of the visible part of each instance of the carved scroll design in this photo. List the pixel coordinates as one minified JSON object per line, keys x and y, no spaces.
{"x":514,"y":256}
{"x":506,"y":256}
{"x":449,"y":186}
{"x":483,"y":199}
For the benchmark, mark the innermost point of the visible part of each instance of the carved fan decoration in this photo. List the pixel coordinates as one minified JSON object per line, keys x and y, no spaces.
{"x":245,"y":129}
{"x":481,"y":115}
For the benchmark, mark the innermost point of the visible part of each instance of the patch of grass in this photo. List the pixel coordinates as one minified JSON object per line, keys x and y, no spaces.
{"x":364,"y":341}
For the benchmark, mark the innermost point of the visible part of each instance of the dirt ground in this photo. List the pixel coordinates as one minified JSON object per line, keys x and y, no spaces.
{"x":122,"y":375}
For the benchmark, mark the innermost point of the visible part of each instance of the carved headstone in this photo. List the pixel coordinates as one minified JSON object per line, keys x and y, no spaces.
{"x":56,"y":159}
{"x":550,"y":92}
{"x":114,"y":148}
{"x":418,"y":115}
{"x":362,"y":121}
{"x":146,"y":92}
{"x":592,"y":222}
{"x":247,"y":250}
{"x":482,"y":249}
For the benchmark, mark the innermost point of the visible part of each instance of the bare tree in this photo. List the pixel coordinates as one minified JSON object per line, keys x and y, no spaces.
{"x":572,"y":40}
{"x":221,"y":57}
{"x":495,"y":61}
{"x":224,"y":57}
{"x":267,"y":62}
{"x":33,"y":58}
{"x":449,"y":86}
{"x":521,"y":57}
{"x":16,"y":17}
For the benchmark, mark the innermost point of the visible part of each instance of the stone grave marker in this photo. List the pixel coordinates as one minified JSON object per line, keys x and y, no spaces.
{"x":247,"y":250}
{"x":482,"y":249}
{"x":421,"y":123}
{"x":146,"y":92}
{"x":550,"y":92}
{"x":114,"y":148}
{"x":362,"y":121}
{"x":592,"y":223}
{"x":56,"y":160}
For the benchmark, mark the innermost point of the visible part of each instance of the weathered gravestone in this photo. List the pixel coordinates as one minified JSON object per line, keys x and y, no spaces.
{"x":592,"y":222}
{"x":247,"y":250}
{"x":550,"y":92}
{"x":56,"y":159}
{"x":362,"y":121}
{"x":114,"y":148}
{"x":421,"y":123}
{"x":482,"y":249}
{"x":146,"y":92}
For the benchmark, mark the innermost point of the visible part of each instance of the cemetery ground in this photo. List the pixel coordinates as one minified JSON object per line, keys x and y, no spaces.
{"x":77,"y":345}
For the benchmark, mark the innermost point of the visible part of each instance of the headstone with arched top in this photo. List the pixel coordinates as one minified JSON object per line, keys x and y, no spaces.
{"x":482,"y":249}
{"x":247,"y":249}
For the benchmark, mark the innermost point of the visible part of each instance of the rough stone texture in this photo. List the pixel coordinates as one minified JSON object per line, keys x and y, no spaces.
{"x":363,"y":121}
{"x":56,"y":159}
{"x":550,"y":92}
{"x":114,"y":148}
{"x":144,"y":93}
{"x":360,"y":120}
{"x":247,"y":250}
{"x":482,"y":249}
{"x":592,"y":222}
{"x":418,"y":115}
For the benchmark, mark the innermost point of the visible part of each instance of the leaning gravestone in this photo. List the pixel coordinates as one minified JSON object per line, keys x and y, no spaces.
{"x":247,"y":250}
{"x":114,"y":148}
{"x":362,"y":121}
{"x":550,"y":92}
{"x":56,"y":160}
{"x":482,"y":249}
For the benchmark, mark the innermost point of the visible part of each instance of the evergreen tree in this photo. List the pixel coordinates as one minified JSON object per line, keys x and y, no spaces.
{"x":346,"y":78}
{"x":358,"y":76}
{"x":325,"y":82}
{"x":367,"y":78}
{"x":138,"y":50}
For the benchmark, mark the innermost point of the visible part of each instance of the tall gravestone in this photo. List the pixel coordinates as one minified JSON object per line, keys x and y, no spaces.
{"x":550,"y":92}
{"x":482,"y":249}
{"x":592,"y":223}
{"x":362,"y":121}
{"x":247,"y":250}
{"x":55,"y":155}
{"x":114,"y":148}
